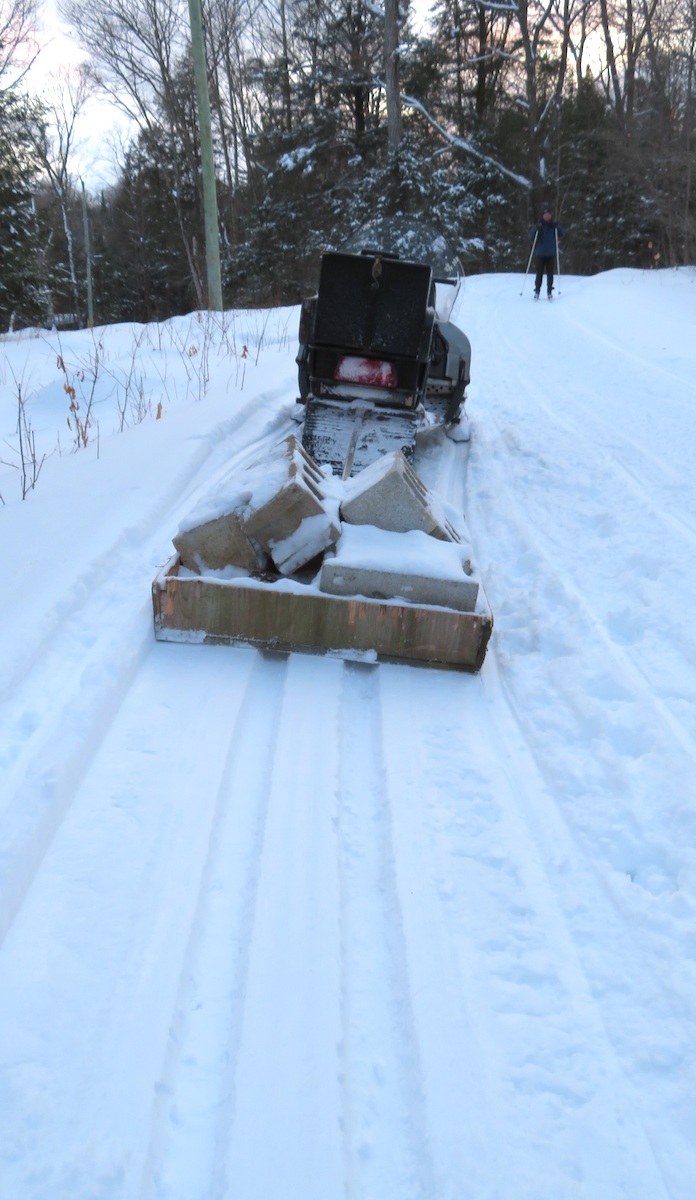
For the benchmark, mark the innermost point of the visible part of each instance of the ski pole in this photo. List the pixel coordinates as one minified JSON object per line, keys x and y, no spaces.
{"x":531,"y":255}
{"x":558,"y":261}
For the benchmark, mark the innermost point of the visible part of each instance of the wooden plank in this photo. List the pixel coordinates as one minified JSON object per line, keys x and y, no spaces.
{"x":203,"y":609}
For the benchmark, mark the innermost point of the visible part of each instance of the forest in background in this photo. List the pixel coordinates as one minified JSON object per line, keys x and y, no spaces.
{"x":329,"y":112}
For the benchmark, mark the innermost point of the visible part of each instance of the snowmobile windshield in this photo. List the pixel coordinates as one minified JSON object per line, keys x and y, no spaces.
{"x":414,"y":241}
{"x":446,"y":292}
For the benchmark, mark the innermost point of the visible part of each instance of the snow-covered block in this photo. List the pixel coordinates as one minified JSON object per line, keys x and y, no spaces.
{"x":291,"y":516}
{"x":216,"y":543}
{"x":411,"y":566}
{"x":310,"y":539}
{"x":389,"y":494}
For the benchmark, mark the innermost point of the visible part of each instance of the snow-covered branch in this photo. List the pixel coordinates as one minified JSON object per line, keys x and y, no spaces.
{"x":492,"y":6}
{"x":464,"y":145}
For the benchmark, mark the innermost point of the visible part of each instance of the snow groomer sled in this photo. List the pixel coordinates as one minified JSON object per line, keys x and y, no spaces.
{"x":331,"y":543}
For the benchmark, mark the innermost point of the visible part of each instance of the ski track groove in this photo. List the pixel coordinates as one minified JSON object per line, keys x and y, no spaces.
{"x":385,"y":1142}
{"x":609,"y":866}
{"x":189,"y":1125}
{"x":612,"y":457}
{"x":58,"y":760}
{"x":621,"y":667}
{"x":256,"y":1047}
{"x":287,"y":1073}
{"x":647,"y":365}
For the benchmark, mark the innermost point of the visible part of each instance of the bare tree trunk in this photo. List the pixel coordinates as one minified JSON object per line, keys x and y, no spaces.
{"x":531,"y":99}
{"x":611,"y":60}
{"x":138,"y":47}
{"x":482,"y":55}
{"x":391,"y":75}
{"x":688,"y":219}
{"x":65,"y":98}
{"x":285,"y":63}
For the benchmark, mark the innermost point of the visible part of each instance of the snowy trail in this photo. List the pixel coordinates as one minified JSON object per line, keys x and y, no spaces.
{"x":620,"y":584}
{"x":286,"y":926}
{"x":288,"y":989}
{"x":598,"y":623}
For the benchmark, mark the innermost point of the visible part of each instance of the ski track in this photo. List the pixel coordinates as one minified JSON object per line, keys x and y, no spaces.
{"x":241,"y":1044}
{"x":103,"y":1028}
{"x":255,"y":1054}
{"x":194,"y":1107}
{"x":629,"y":663}
{"x":647,"y":365}
{"x":212,"y":453}
{"x":386,"y":1147}
{"x":287,"y":1067}
{"x":489,"y":945}
{"x":624,"y":453}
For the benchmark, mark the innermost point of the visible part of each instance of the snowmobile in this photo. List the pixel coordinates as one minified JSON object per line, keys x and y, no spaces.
{"x":287,"y":556}
{"x":379,"y":359}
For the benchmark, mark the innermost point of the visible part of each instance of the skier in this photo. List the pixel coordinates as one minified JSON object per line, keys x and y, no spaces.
{"x":546,"y":233}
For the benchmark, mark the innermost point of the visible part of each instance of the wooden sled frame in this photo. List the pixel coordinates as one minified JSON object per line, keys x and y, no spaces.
{"x":268,"y":617}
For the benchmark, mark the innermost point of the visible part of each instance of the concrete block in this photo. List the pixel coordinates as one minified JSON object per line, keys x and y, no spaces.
{"x":409,"y":566}
{"x":218,"y":543}
{"x":291,"y":518}
{"x":389,"y":495}
{"x":337,"y":579}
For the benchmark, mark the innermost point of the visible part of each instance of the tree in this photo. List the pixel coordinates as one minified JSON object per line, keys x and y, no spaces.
{"x":17,"y":23}
{"x":139,"y":49}
{"x":53,"y":142}
{"x":23,"y":291}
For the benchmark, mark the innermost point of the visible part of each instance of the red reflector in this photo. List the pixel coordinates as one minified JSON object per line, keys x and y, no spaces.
{"x":371,"y":372}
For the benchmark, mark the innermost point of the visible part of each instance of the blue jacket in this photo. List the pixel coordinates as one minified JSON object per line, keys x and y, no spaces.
{"x":546,"y":239}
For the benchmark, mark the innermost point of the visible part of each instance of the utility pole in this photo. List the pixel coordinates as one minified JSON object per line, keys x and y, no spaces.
{"x":88,"y":259}
{"x":212,"y":241}
{"x":391,"y":75}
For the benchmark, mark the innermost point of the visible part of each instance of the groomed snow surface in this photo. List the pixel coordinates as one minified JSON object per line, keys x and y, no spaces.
{"x":291,"y":928}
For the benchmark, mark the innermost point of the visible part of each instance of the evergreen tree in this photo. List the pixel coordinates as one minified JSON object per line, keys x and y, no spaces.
{"x":24,"y":294}
{"x":142,"y":271}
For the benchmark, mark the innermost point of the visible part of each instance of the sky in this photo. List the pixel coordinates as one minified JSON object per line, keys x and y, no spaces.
{"x":100,"y":124}
{"x":288,"y":925}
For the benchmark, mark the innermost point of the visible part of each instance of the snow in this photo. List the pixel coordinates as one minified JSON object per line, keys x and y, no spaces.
{"x":412,"y":553}
{"x":241,"y":492}
{"x":289,"y":926}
